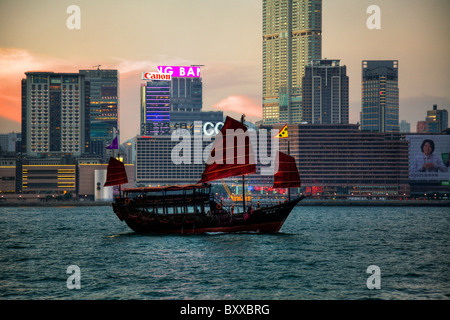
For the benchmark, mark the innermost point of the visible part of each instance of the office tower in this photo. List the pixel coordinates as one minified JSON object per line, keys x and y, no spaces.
{"x":405,"y":127}
{"x":104,"y":105}
{"x":55,"y":114}
{"x":155,"y":108}
{"x":380,"y":98}
{"x":292,"y":37}
{"x":186,"y":94}
{"x":325,"y":93}
{"x":436,"y":120}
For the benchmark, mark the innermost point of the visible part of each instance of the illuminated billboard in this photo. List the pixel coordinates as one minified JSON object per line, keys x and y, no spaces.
{"x":176,"y":71}
{"x":429,"y":157}
{"x":156,"y":76}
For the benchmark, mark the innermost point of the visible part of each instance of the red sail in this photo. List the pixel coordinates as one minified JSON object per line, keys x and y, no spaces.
{"x":232,"y":155}
{"x":287,"y":175}
{"x":116,"y":173}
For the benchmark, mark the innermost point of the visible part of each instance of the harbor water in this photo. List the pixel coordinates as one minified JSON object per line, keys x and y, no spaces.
{"x":320,"y":253}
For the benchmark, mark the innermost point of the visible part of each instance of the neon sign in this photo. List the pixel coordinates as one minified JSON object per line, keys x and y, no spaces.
{"x":176,"y":71}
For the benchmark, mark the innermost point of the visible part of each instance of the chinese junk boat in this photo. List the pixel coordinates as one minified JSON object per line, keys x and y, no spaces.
{"x":193,"y":208}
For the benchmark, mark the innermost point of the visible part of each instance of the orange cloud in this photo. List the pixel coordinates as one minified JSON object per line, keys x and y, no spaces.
{"x":236,"y":105}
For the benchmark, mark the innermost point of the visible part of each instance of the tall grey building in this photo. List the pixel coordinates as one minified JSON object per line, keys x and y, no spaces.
{"x":380,"y":96}
{"x":325,"y":92}
{"x":292,"y":38}
{"x":186,"y":94}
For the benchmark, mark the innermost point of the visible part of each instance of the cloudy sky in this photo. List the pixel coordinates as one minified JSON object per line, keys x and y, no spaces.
{"x":226,"y":37}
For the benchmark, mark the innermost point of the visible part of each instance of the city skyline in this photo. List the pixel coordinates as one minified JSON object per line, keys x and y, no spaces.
{"x":226,"y":37}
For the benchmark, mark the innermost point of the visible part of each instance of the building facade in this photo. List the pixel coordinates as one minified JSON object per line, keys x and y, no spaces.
{"x":325,"y":93}
{"x":103,"y":108}
{"x":187,"y":120}
{"x":292,"y":37}
{"x":186,"y":94}
{"x":91,"y":178}
{"x":340,"y":161}
{"x":334,"y":161}
{"x":55,"y":114}
{"x":155,"y":165}
{"x":380,"y":96}
{"x":155,"y":108}
{"x":405,"y":127}
{"x":7,"y":175}
{"x":436,"y":120}
{"x":48,"y":178}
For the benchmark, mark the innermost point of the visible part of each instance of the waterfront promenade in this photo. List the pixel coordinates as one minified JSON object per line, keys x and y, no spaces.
{"x":306,"y":202}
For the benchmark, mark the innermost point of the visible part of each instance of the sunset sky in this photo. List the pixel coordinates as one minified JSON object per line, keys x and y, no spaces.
{"x":226,"y":37}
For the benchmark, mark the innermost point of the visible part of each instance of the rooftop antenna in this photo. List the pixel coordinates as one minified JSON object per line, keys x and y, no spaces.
{"x":98,"y":66}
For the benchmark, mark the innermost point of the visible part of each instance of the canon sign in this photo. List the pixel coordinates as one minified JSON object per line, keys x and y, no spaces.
{"x":175,"y":71}
{"x":155,"y":76}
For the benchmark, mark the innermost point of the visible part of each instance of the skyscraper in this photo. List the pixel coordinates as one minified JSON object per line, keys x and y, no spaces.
{"x":104,"y":105}
{"x":55,"y":114}
{"x":186,"y":94}
{"x":155,"y":108}
{"x":437,"y":120}
{"x":325,"y":92}
{"x":380,"y":96}
{"x":292,"y":37}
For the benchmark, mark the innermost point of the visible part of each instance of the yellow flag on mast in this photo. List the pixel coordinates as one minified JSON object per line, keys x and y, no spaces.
{"x":283,"y":132}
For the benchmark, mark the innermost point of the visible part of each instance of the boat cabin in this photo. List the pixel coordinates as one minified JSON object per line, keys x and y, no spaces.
{"x":185,"y":199}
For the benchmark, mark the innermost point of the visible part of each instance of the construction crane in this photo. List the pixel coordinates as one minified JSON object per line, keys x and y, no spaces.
{"x":98,"y":66}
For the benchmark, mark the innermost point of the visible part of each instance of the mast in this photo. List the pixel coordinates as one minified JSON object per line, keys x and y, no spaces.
{"x":117,"y":156}
{"x":289,"y":188}
{"x":243,"y":177}
{"x":232,"y":167}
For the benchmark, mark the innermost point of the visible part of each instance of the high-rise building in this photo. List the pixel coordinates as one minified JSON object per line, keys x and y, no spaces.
{"x":55,"y":114}
{"x":186,"y":94}
{"x":325,"y":93}
{"x":155,"y":108}
{"x":292,"y":38}
{"x":437,"y":120}
{"x":104,"y":105}
{"x":380,"y":96}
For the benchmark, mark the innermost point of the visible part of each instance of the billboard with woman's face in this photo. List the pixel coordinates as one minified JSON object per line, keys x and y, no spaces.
{"x":429,"y":157}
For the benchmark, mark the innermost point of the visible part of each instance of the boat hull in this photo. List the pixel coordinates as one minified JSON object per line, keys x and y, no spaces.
{"x":263,"y":220}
